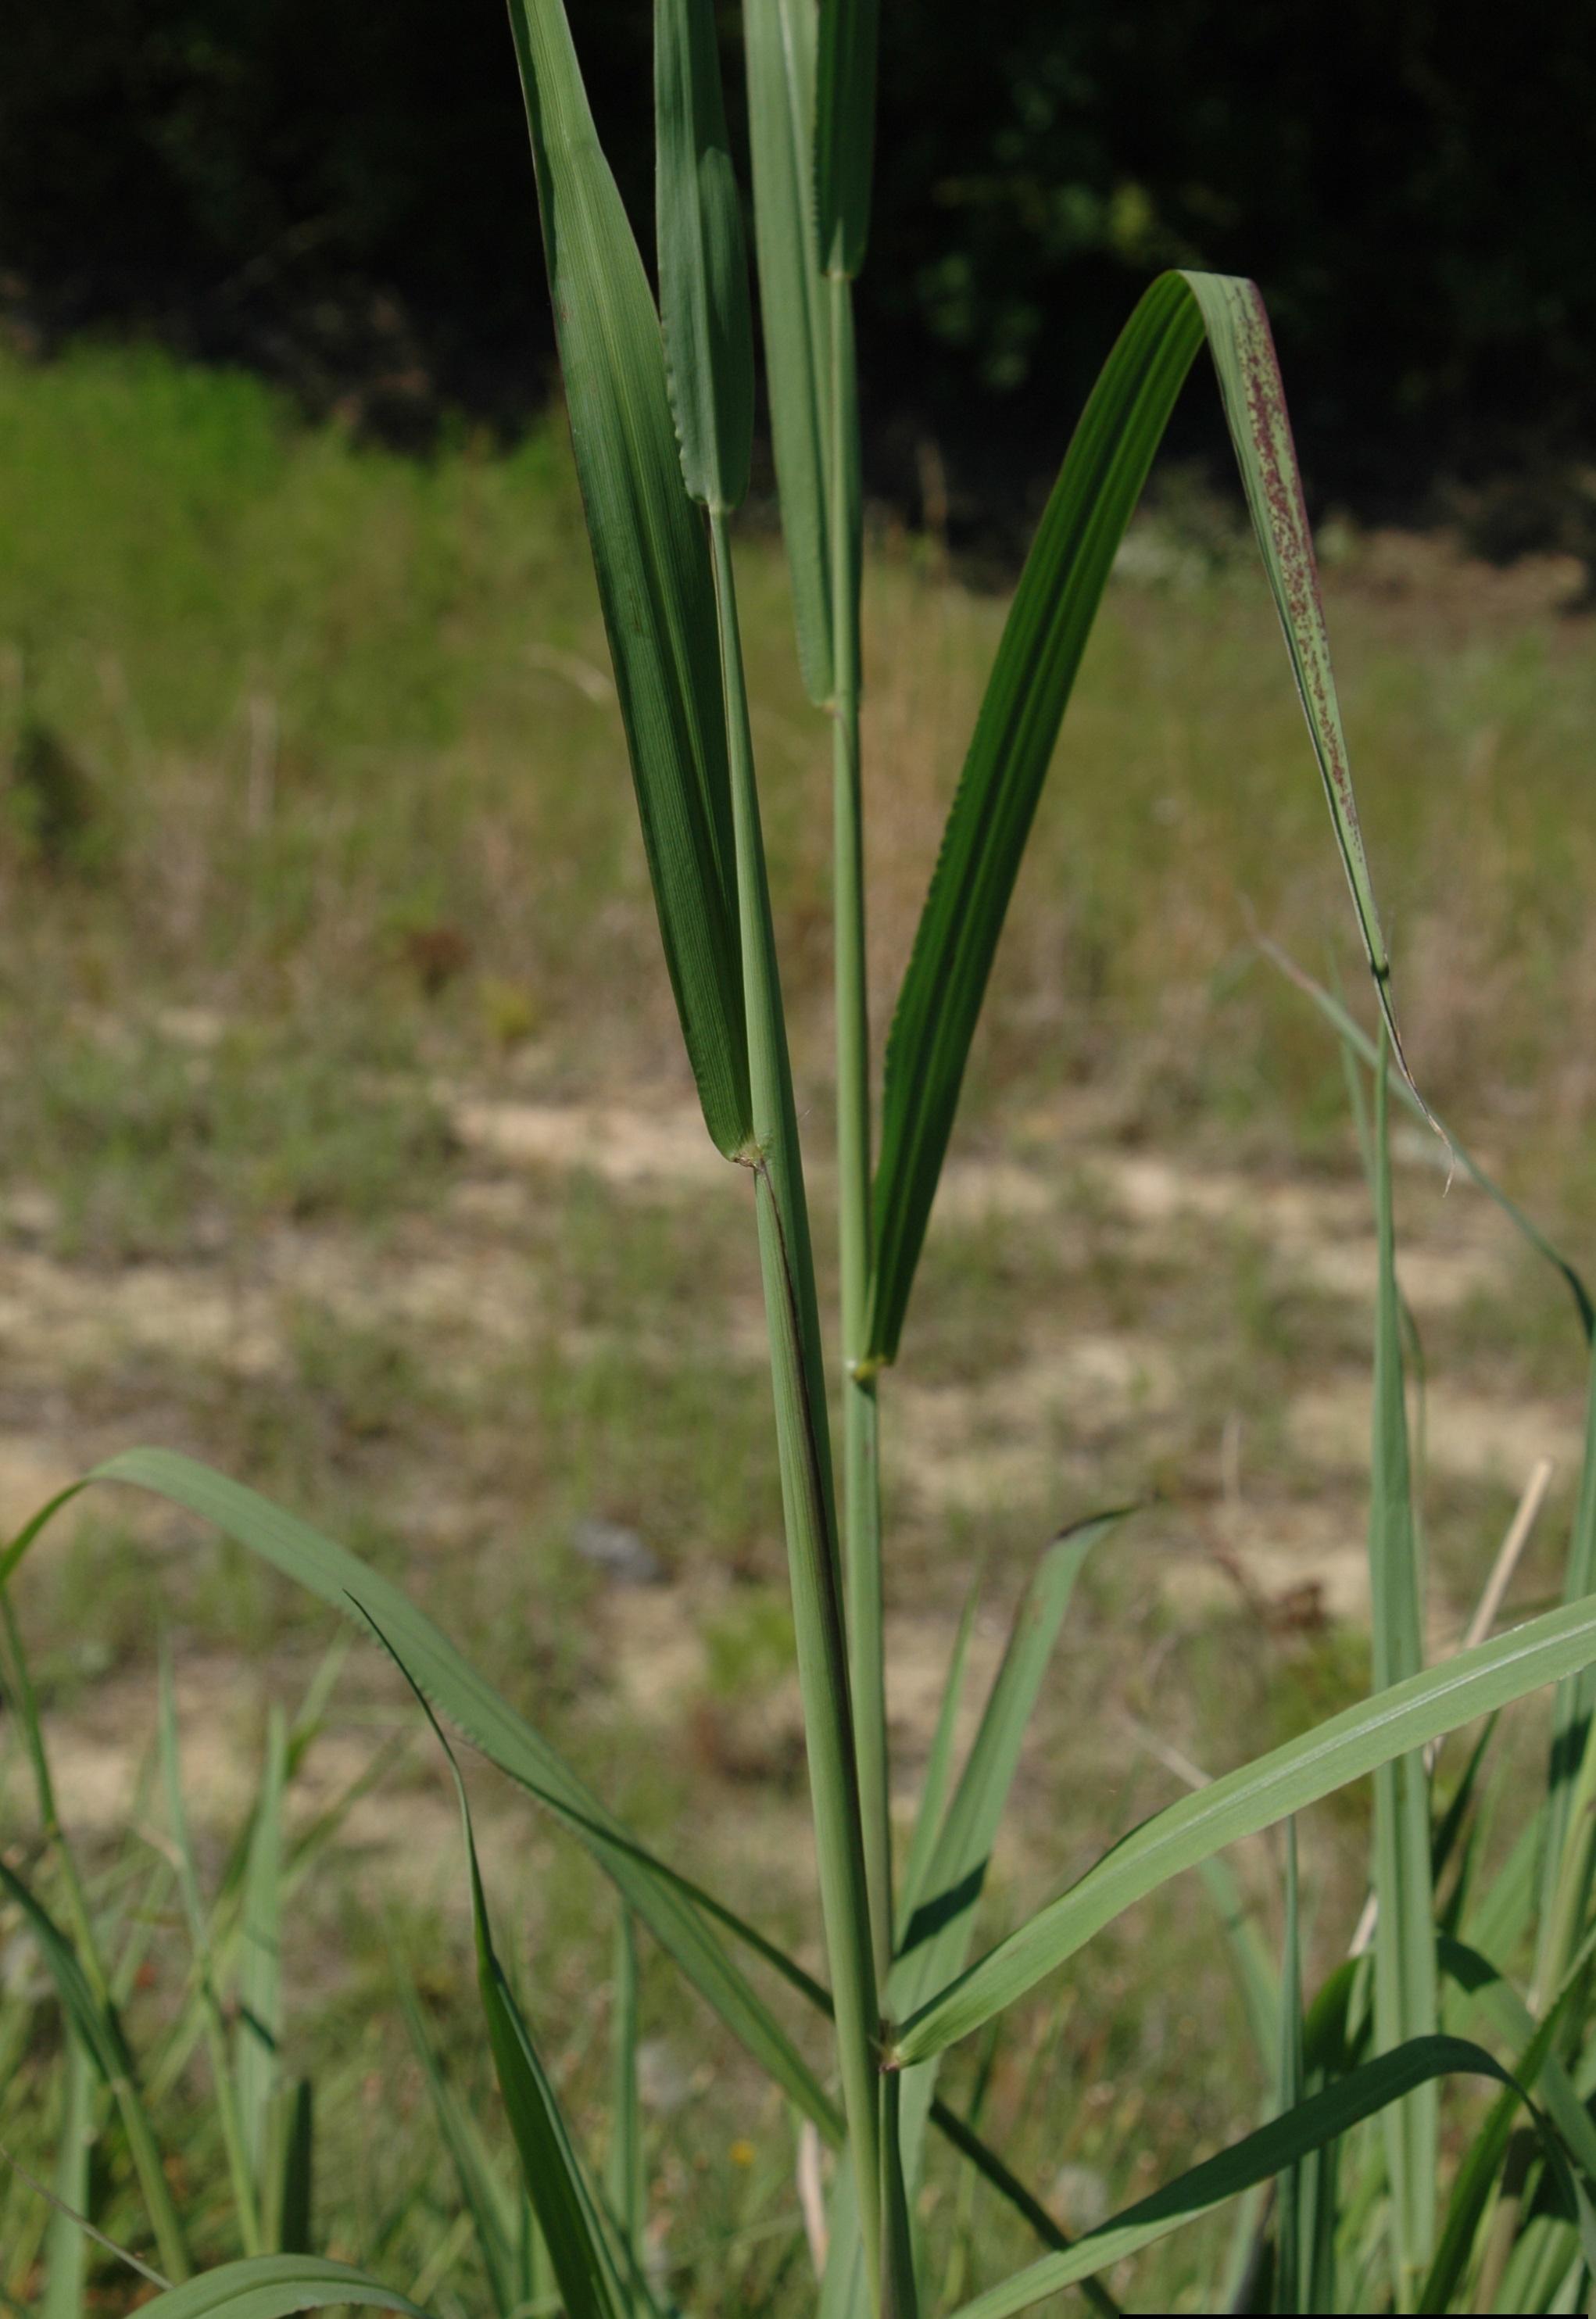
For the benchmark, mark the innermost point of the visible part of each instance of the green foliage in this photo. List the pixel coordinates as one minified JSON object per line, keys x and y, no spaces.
{"x":651,"y":558}
{"x":704,"y":304}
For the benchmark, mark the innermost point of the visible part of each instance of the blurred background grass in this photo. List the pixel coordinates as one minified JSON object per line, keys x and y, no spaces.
{"x":344,"y":1142}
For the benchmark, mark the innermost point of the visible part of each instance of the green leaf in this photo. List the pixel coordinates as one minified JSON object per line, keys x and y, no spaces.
{"x":224,"y":2090}
{"x":1029,"y":689}
{"x":899,"y":2297}
{"x":704,"y":305}
{"x":625,"y":2182}
{"x":296,"y":2193}
{"x":1573,"y":1709}
{"x":274,"y":2287}
{"x":939,"y":1765}
{"x":95,"y":2026}
{"x":1353,"y":1035}
{"x":992,"y":2169}
{"x":66,"y":2253}
{"x":494,"y":2217}
{"x":779,"y":39}
{"x":1405,"y":2002}
{"x":845,"y":130}
{"x":939,"y":1933}
{"x":556,"y":2182}
{"x":658,"y":1896}
{"x":567,"y":2213}
{"x":937,"y":1939}
{"x":1476,"y":2178}
{"x":1273,"y":2148}
{"x":1258,"y":1984}
{"x":260,"y":1978}
{"x":1348,"y":1747}
{"x":1293,"y":2229}
{"x":83,"y":1983}
{"x":651,"y":558}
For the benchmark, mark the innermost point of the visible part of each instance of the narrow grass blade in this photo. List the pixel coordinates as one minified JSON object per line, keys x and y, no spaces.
{"x":939,"y":1933}
{"x":297,"y":2195}
{"x":556,"y":2182}
{"x":628,"y":2200}
{"x":494,"y":2216}
{"x":274,"y":2287}
{"x":1348,"y":1747}
{"x":1257,"y":1983}
{"x":93,"y":2020}
{"x":1456,"y":1840}
{"x":900,"y":2294}
{"x":19,"y":1546}
{"x":1573,"y":1709}
{"x":1475,"y":2184}
{"x":937,"y":1939}
{"x":1405,"y":2002}
{"x":1566,"y":1884}
{"x":703,"y":304}
{"x":1284,"y":2142}
{"x":567,"y":2213}
{"x":666,"y":1903}
{"x":939,"y":1769}
{"x":1292,"y":2238}
{"x":65,"y":2247}
{"x":990,"y":2167}
{"x":1253,"y":396}
{"x":1354,"y":1035}
{"x":1029,"y":691}
{"x":651,"y":558}
{"x":224,"y":2089}
{"x":1495,"y":1922}
{"x":80,"y":1948}
{"x":778,"y":38}
{"x":257,"y":2038}
{"x":845,"y":130}
{"x":1257,"y":1980}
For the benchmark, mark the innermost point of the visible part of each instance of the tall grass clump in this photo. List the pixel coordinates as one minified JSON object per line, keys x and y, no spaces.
{"x":1377,"y":2181}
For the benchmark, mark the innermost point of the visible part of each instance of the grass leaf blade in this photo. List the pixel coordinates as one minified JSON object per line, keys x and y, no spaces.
{"x":274,"y":2287}
{"x":341,"y":1578}
{"x":651,"y":558}
{"x":260,"y":1977}
{"x":779,"y":39}
{"x":1291,"y":2238}
{"x":556,"y":2182}
{"x":625,"y":2184}
{"x":224,"y":2089}
{"x":492,"y":2217}
{"x":1272,"y":2149}
{"x":937,"y":1939}
{"x":844,"y":130}
{"x":1355,"y":1036}
{"x":1345,"y":1747}
{"x":939,"y":1765}
{"x":1029,"y":691}
{"x":65,"y":2258}
{"x":939,"y":1934}
{"x":1253,"y":397}
{"x":704,"y":304}
{"x":1405,"y":2000}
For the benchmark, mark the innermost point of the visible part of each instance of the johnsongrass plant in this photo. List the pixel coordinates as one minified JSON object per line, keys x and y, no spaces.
{"x":1348,"y":2195}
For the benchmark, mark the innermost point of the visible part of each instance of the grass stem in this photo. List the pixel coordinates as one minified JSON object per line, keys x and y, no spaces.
{"x":803,"y":1442}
